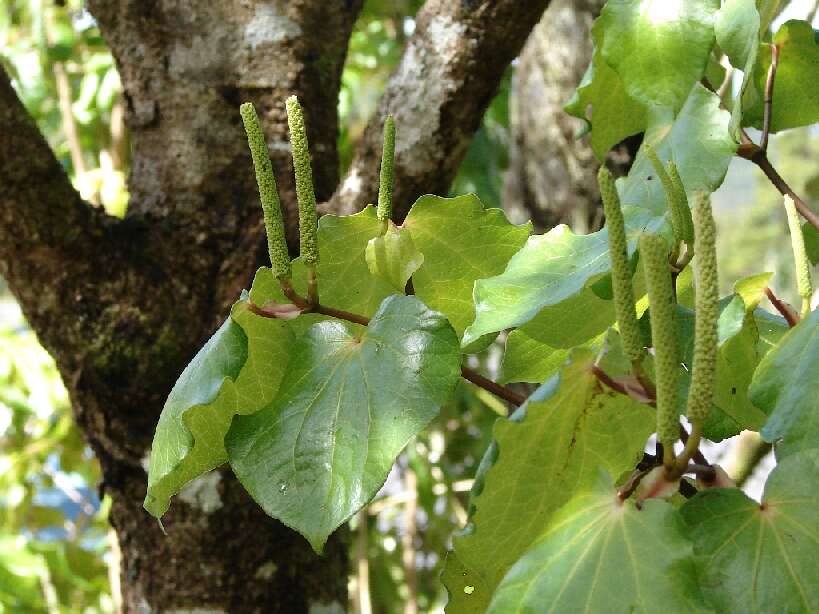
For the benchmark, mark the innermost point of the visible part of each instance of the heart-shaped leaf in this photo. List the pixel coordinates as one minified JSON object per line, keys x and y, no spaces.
{"x":760,"y":558}
{"x":602,"y":555}
{"x":554,"y":444}
{"x":659,"y":49}
{"x":350,"y":401}
{"x":239,"y":369}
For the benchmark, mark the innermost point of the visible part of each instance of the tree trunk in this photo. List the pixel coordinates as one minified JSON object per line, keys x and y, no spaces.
{"x":122,"y":305}
{"x":552,"y":176}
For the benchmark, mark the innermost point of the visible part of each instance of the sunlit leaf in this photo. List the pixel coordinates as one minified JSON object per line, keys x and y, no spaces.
{"x":602,"y":555}
{"x":461,"y":241}
{"x":760,"y":558}
{"x":796,"y":88}
{"x":786,"y":387}
{"x":348,"y":404}
{"x":553,"y":445}
{"x":658,"y":48}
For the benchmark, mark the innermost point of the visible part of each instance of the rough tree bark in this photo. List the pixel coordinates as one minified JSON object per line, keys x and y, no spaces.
{"x":122,"y":305}
{"x":552,"y":176}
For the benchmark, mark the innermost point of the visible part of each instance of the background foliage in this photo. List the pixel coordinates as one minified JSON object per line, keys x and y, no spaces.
{"x":55,"y":552}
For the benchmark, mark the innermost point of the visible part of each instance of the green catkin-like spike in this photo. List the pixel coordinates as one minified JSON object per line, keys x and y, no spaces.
{"x":308,"y":220}
{"x":271,"y":206}
{"x":706,"y":284}
{"x":620,"y":269}
{"x":654,"y":257}
{"x":387,"y":165}
{"x":677,"y":222}
{"x":804,"y":284}
{"x":680,"y":202}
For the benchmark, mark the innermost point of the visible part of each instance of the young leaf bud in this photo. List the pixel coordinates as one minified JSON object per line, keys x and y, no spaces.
{"x":308,"y":221}
{"x":804,"y":284}
{"x":620,"y":269}
{"x":680,"y":201}
{"x":387,"y":165}
{"x":271,"y":207}
{"x":654,"y":256}
{"x":706,"y":285}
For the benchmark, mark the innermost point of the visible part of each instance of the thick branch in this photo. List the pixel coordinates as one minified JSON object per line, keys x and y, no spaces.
{"x":448,"y":74}
{"x":47,"y":232}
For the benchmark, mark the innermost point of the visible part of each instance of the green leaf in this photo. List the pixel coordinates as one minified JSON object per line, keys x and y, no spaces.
{"x":538,"y":348}
{"x":768,"y":9}
{"x":614,"y":114}
{"x":760,"y":558}
{"x":461,"y":242}
{"x":699,"y":142}
{"x":348,"y":404}
{"x":737,"y":29}
{"x":659,"y":49}
{"x":796,"y":88}
{"x":239,"y":370}
{"x":554,"y":267}
{"x":344,"y":278}
{"x":553,"y":445}
{"x":393,"y":257}
{"x":786,"y":387}
{"x":811,"y":242}
{"x":603,"y":555}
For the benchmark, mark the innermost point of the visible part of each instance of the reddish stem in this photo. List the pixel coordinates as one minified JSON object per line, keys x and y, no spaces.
{"x":791,"y":317}
{"x":768,"y":103}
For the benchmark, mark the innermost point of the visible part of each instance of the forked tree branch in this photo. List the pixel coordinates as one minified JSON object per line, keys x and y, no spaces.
{"x":449,"y":72}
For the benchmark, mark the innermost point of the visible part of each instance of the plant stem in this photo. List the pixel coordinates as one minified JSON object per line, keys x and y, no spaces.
{"x":704,"y":472}
{"x":312,"y":285}
{"x":340,"y":314}
{"x":757,"y":155}
{"x":692,"y":447}
{"x":790,"y":317}
{"x":507,"y":394}
{"x":769,"y":85}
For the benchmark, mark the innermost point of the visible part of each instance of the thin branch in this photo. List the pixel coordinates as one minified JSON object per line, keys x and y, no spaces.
{"x":502,"y":392}
{"x":697,"y":455}
{"x":755,"y":154}
{"x":790,"y":316}
{"x":704,"y":472}
{"x":769,"y":86}
{"x":341,"y":314}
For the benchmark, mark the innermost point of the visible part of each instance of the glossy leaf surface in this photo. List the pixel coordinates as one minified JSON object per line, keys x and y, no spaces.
{"x":347,"y":406}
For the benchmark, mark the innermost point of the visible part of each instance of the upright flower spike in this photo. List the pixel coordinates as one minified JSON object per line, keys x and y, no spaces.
{"x":804,"y":284}
{"x":701,"y":390}
{"x":308,"y":220}
{"x":678,"y":222}
{"x":386,"y":178}
{"x":620,"y":269}
{"x":654,"y":256}
{"x":271,"y":206}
